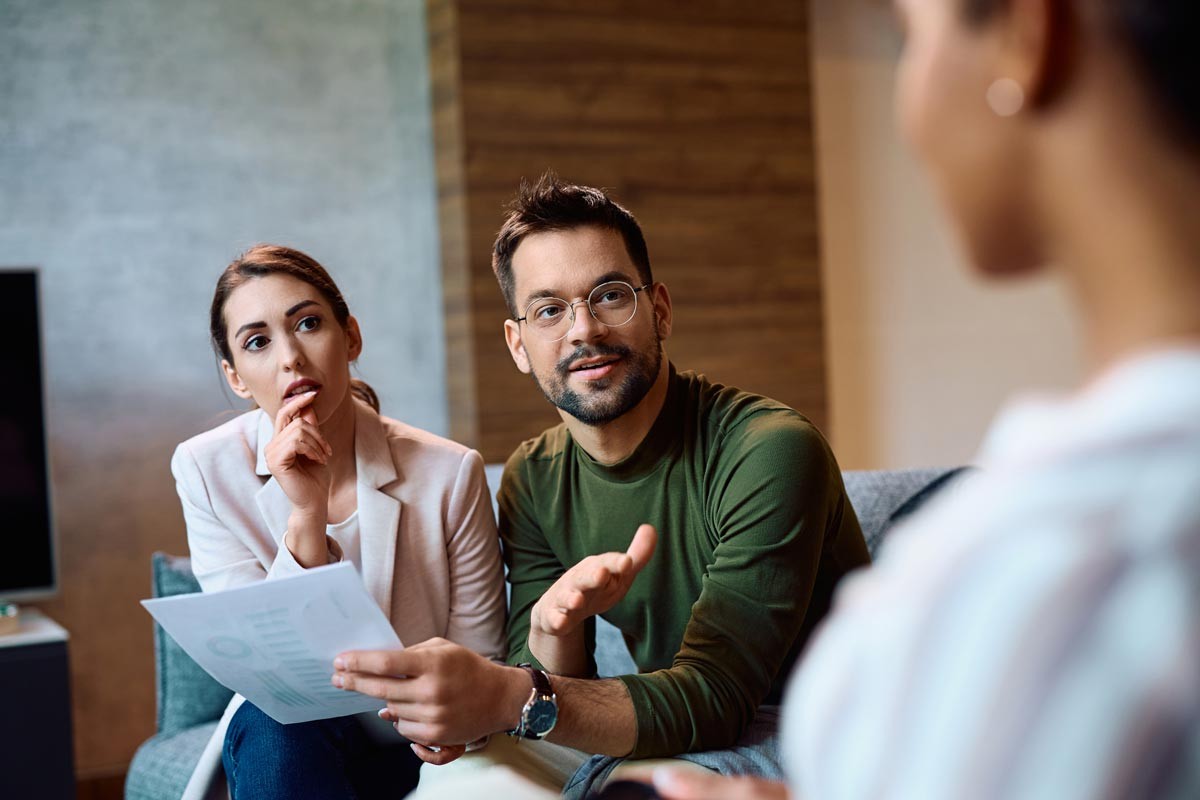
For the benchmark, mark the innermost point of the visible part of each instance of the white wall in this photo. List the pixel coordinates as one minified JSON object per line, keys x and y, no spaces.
{"x":922,"y":353}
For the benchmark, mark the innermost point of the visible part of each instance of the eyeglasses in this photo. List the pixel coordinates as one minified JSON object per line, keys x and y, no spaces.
{"x":613,"y":304}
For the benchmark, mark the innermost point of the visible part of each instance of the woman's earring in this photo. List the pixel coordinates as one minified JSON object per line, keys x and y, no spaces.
{"x":1006,"y":97}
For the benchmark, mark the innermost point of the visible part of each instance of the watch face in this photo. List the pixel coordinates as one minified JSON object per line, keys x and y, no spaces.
{"x":541,"y":717}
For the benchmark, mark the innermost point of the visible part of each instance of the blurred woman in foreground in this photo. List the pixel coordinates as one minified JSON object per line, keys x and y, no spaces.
{"x":1036,"y":633}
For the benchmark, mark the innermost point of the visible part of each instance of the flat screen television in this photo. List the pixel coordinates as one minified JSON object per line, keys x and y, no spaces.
{"x":27,"y":567}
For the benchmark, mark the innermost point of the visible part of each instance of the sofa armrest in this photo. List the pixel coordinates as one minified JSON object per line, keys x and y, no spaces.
{"x":187,"y":695}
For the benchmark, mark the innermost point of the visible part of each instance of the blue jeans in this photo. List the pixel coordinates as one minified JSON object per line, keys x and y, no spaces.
{"x":755,"y":753}
{"x":327,"y":759}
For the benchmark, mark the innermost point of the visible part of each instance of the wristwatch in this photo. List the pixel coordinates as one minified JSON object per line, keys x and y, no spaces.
{"x":541,"y":709}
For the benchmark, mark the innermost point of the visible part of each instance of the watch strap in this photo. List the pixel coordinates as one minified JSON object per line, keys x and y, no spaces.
{"x":542,"y":690}
{"x":541,"y":681}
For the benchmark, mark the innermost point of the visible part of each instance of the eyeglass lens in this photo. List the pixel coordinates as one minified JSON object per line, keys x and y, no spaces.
{"x":613,"y":304}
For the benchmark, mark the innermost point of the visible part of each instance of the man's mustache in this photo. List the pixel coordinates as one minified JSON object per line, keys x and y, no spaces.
{"x":592,"y":351}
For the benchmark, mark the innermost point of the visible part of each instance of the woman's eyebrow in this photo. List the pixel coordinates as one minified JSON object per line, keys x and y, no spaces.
{"x":249,"y":326}
{"x":300,"y":305}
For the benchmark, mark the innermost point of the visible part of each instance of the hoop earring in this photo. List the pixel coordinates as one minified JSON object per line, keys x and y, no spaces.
{"x":1006,"y":97}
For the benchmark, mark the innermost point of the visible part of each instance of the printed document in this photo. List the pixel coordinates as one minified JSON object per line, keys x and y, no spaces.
{"x":274,"y":641}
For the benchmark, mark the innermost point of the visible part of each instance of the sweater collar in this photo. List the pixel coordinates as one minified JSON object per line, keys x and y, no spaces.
{"x":661,"y":442}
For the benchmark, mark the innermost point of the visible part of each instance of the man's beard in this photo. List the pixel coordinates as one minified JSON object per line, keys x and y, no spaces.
{"x":606,"y":402}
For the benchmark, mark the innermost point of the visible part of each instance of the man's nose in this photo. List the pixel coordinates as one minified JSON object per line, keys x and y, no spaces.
{"x":584,"y":327}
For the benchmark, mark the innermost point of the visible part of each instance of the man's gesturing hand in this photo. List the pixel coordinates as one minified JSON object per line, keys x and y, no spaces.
{"x":592,"y":586}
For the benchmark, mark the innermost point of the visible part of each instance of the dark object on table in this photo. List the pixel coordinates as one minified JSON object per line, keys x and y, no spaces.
{"x":627,"y":790}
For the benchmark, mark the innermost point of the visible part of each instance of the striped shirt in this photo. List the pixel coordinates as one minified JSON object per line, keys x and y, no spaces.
{"x":1036,"y":632}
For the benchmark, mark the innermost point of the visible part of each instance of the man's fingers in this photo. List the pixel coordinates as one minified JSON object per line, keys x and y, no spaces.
{"x":391,"y":689}
{"x":393,"y":663}
{"x":570,"y":600}
{"x":594,"y":578}
{"x":443,"y":755}
{"x":412,"y":712}
{"x":417,"y":731}
{"x":642,"y":546}
{"x":689,"y":784}
{"x":557,"y":621}
{"x":679,"y":784}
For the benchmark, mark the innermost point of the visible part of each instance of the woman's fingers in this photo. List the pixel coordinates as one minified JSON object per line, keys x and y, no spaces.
{"x":291,"y":410}
{"x":313,"y":450}
{"x":298,"y":438}
{"x":298,"y":445}
{"x":303,"y":427}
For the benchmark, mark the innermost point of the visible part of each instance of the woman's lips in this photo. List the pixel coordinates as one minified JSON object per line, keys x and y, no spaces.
{"x":300,"y":387}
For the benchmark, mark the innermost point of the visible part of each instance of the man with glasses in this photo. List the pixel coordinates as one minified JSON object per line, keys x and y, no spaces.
{"x":708,"y":524}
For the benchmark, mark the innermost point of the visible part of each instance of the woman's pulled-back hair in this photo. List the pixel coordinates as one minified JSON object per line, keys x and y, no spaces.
{"x":272,"y":259}
{"x":1159,"y":36}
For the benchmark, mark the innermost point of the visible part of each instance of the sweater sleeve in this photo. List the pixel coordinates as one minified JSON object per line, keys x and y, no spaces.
{"x":775,"y":499}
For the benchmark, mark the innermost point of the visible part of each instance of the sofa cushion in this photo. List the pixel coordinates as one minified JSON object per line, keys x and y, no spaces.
{"x":882,"y":498}
{"x":187,"y":695}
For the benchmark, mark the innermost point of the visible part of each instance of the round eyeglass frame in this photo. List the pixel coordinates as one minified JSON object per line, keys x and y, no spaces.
{"x":588,"y":302}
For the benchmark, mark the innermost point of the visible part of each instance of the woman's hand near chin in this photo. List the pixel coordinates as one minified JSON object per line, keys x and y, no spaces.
{"x":297,"y":457}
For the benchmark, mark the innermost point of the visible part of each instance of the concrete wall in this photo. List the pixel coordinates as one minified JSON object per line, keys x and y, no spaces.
{"x":142,"y":145}
{"x":921,"y":353}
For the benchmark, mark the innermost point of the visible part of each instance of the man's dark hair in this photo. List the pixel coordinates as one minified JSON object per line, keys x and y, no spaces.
{"x":552,"y":204}
{"x":1159,"y":36}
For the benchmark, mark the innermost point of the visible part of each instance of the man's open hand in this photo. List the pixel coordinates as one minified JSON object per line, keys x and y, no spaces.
{"x":592,"y":586}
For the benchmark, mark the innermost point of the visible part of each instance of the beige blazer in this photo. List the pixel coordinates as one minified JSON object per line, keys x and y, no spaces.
{"x":429,"y":549}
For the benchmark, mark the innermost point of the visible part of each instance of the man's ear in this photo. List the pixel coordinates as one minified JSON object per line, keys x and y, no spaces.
{"x":354,"y":342}
{"x":235,"y":381}
{"x":662,"y":309}
{"x":516,"y":345}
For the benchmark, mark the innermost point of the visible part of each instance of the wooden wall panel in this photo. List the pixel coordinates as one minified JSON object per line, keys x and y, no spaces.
{"x":697,"y":116}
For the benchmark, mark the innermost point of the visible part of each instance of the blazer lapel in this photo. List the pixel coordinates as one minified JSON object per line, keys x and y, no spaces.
{"x":273,"y":503}
{"x":378,"y":511}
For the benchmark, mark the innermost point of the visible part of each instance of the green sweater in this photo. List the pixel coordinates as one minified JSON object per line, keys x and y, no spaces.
{"x":754,"y":532}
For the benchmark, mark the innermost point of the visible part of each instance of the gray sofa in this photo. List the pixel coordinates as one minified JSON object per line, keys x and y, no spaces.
{"x":190,"y":702}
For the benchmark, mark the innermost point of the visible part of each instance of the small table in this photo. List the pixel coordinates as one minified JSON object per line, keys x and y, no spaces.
{"x":36,"y":748}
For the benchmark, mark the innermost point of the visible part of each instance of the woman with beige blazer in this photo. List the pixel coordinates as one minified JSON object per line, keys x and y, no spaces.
{"x":312,"y":476}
